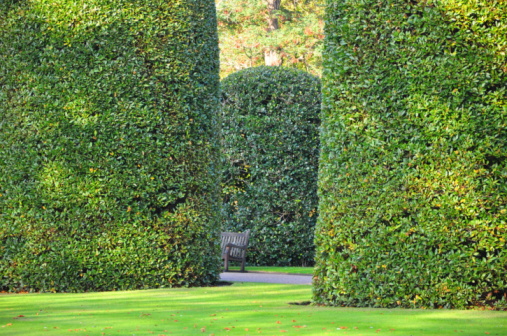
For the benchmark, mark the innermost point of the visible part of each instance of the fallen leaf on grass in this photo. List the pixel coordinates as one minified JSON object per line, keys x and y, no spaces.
{"x":298,"y":326}
{"x":203,"y":329}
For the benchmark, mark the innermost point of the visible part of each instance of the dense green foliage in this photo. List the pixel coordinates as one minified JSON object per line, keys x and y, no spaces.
{"x":108,"y":170}
{"x":244,"y":36}
{"x":271,"y":145}
{"x":413,"y":169}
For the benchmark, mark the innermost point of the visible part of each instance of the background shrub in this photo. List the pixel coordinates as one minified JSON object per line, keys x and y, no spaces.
{"x":107,"y":144}
{"x":413,"y":167}
{"x":270,"y":139}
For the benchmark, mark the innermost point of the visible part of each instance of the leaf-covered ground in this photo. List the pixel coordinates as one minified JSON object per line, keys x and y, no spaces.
{"x":240,"y":309}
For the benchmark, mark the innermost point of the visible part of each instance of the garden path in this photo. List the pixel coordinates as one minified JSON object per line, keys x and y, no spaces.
{"x":265,"y":277}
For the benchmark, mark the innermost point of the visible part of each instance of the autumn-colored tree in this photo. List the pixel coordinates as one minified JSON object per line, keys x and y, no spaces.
{"x":270,"y":32}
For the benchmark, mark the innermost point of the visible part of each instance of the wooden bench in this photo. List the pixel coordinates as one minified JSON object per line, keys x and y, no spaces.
{"x":234,"y":247}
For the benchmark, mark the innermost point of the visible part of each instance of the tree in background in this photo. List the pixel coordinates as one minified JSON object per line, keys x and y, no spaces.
{"x":270,"y":32}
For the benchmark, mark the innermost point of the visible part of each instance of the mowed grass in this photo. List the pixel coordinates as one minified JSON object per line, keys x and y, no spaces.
{"x":275,"y":269}
{"x":240,"y":309}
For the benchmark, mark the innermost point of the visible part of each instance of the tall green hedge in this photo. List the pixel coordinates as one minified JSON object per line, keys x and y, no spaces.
{"x":270,"y":140}
{"x":108,"y":123}
{"x":413,"y":170}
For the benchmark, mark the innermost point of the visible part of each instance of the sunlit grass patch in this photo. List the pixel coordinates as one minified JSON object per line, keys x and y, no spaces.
{"x":240,"y":309}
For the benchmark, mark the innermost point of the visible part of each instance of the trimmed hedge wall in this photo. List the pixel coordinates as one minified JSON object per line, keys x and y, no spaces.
{"x":413,"y":169}
{"x":108,"y":168}
{"x":270,"y":139}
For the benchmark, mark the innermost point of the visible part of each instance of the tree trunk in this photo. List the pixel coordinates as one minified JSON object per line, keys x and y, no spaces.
{"x":271,"y":56}
{"x":273,"y":6}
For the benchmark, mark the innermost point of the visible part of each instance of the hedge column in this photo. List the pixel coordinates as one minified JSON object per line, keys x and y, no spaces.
{"x":108,"y":126}
{"x":414,"y":151}
{"x":271,"y":146}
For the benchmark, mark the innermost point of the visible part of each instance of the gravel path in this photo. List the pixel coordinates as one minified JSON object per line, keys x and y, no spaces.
{"x":280,"y":278}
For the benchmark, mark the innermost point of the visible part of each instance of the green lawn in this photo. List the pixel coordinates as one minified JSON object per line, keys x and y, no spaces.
{"x":240,"y":309}
{"x":291,"y":270}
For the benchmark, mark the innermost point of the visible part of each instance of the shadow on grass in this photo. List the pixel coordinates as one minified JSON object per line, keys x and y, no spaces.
{"x":237,"y":309}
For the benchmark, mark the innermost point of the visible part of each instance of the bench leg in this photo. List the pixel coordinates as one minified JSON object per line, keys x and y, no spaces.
{"x":226,"y":263}
{"x":243,"y":265}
